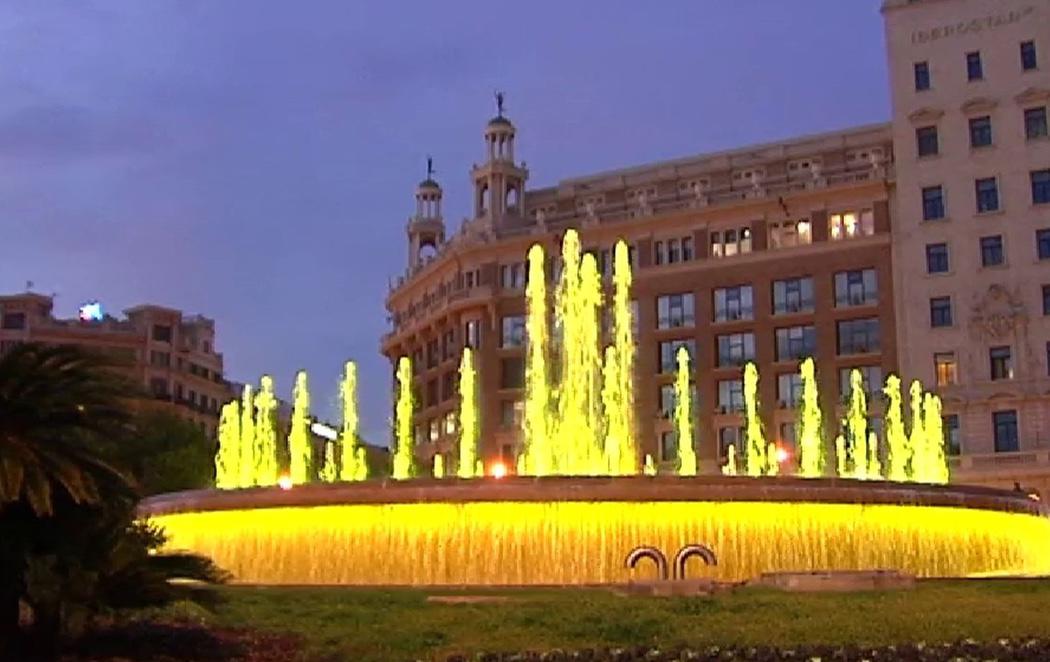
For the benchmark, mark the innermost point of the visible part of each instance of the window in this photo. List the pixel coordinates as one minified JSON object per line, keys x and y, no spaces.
{"x":159,"y":387}
{"x":14,"y":321}
{"x":669,"y":354}
{"x":730,"y":437}
{"x":433,"y":397}
{"x":796,"y":342}
{"x":936,"y":258}
{"x":980,"y":131}
{"x":974,"y":69}
{"x":160,"y":359}
{"x":512,"y":333}
{"x":687,"y":249}
{"x":668,"y":446}
{"x":945,"y":368}
{"x":435,"y":429}
{"x":725,"y":243}
{"x":1035,"y":123}
{"x":789,"y":389}
{"x":450,"y":424}
{"x":161,"y":333}
{"x":870,"y":379}
{"x":932,"y":203}
{"x":448,"y":344}
{"x":794,"y":295}
{"x":512,"y":373}
{"x":987,"y":191}
{"x":926,"y":141}
{"x":730,"y":395}
{"x":511,"y":413}
{"x":734,"y":303}
{"x":858,"y":336}
{"x":848,"y":225}
{"x":1042,"y":244}
{"x":940,"y":312}
{"x":659,"y":252}
{"x":950,"y":426}
{"x":736,"y":349}
{"x":668,"y":401}
{"x":992,"y":251}
{"x":1001,"y":363}
{"x":856,"y":288}
{"x":674,"y":251}
{"x":1046,"y":299}
{"x":433,"y":353}
{"x":674,"y":311}
{"x":472,"y":334}
{"x":512,"y":276}
{"x":1047,"y":357}
{"x":790,"y":233}
{"x":1040,"y":186}
{"x":922,"y":76}
{"x":1004,"y":424}
{"x":448,"y":386}
{"x":1029,"y":60}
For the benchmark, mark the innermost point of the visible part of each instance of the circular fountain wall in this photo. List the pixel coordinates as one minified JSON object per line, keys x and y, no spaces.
{"x":560,"y":530}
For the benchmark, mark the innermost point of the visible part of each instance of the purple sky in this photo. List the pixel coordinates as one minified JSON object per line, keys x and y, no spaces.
{"x":255,"y":161}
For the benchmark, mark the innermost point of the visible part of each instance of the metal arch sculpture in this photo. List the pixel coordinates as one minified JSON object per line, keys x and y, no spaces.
{"x":646,"y":552}
{"x":689,"y":551}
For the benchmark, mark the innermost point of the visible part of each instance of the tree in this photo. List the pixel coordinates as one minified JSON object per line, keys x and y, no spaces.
{"x":70,"y":542}
{"x":167,"y":454}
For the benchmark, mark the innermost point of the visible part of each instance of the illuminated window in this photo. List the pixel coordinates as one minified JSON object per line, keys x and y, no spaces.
{"x":726,"y":243}
{"x":794,"y":295}
{"x":848,"y":225}
{"x":435,"y":429}
{"x":786,"y":234}
{"x":450,"y":423}
{"x":734,"y":303}
{"x":946,"y":368}
{"x":472,"y":334}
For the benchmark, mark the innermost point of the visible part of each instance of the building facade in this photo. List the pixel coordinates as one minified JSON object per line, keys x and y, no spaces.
{"x":170,"y":354}
{"x":970,"y":84}
{"x":919,"y":247}
{"x":766,"y":254}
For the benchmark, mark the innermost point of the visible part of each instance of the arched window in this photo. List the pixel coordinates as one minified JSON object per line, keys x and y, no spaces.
{"x":484,"y":199}
{"x":511,"y":202}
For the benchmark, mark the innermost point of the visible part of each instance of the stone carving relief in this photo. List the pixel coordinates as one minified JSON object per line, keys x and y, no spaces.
{"x":998,"y":314}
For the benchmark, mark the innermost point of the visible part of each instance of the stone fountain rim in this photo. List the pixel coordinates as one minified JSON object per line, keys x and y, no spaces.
{"x":622,"y":489}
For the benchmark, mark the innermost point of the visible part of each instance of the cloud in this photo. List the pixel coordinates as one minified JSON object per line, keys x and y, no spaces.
{"x":73,"y":132}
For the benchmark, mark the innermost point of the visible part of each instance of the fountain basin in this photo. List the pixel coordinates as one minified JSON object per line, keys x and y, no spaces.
{"x":576,"y":530}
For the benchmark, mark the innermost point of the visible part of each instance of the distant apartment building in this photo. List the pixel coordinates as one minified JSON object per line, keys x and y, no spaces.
{"x":970,"y":82}
{"x":170,"y":354}
{"x":920,"y":246}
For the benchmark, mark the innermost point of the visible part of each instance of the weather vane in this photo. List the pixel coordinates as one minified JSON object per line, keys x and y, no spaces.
{"x":499,"y":103}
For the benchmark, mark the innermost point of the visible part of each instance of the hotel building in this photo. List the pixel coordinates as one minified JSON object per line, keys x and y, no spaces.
{"x":170,"y":354}
{"x":772,"y":252}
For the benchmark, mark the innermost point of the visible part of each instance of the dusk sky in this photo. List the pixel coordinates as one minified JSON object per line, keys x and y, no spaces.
{"x":255,"y":161}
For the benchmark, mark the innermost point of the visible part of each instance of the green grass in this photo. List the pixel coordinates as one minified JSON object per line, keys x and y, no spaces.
{"x":392,"y":625}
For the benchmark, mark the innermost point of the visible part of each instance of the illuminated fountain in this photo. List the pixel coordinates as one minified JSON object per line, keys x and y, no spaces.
{"x":585,"y":495}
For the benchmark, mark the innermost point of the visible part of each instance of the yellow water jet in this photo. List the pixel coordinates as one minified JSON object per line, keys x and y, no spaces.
{"x":300,"y":451}
{"x":897,"y":445}
{"x":758,"y":450}
{"x":228,"y":456}
{"x":856,"y":460}
{"x":468,"y":417}
{"x":403,"y":452}
{"x":683,"y":416}
{"x":249,"y":463}
{"x":265,"y":427}
{"x":810,"y":433}
{"x":353,"y":465}
{"x":537,"y":424}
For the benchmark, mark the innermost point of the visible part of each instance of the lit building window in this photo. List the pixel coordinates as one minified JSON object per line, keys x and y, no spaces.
{"x":726,"y":243}
{"x":1001,"y":363}
{"x":847,"y":225}
{"x":946,"y":368}
{"x":786,"y":234}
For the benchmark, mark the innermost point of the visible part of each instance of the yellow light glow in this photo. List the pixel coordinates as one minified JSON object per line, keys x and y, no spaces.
{"x":586,"y":542}
{"x":498,"y":470}
{"x":285,"y":482}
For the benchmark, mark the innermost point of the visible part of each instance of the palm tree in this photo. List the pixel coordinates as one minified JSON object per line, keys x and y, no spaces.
{"x":57,"y":406}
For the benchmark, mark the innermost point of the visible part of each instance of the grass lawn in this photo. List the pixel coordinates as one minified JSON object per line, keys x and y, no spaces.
{"x":399,"y":624}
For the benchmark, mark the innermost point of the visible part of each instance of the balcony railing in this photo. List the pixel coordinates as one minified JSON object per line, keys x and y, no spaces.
{"x":1031,"y":460}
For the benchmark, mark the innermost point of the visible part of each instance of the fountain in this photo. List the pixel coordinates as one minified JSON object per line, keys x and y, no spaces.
{"x":585,"y":496}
